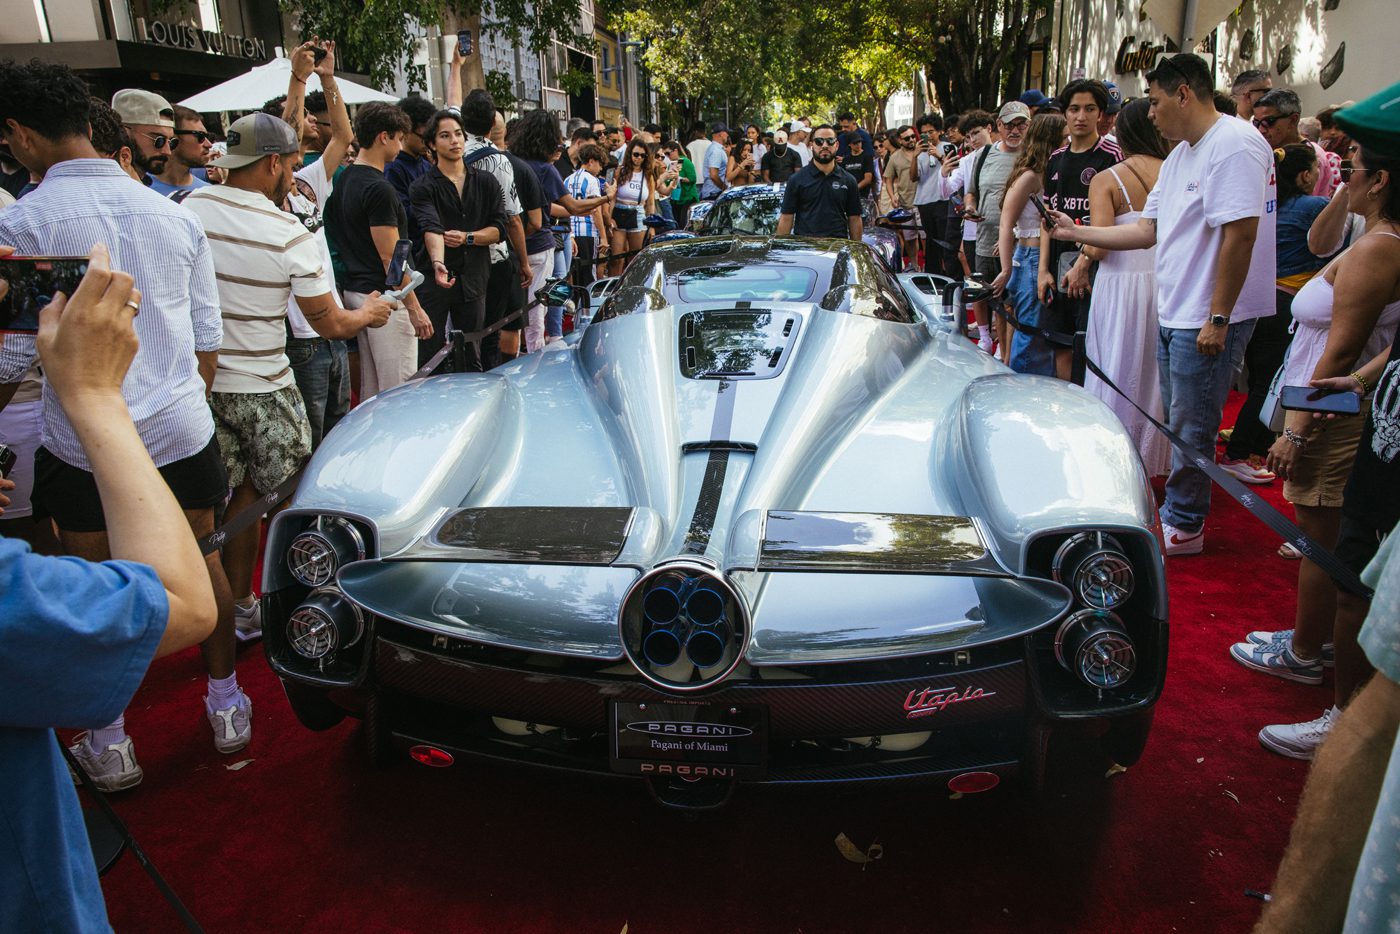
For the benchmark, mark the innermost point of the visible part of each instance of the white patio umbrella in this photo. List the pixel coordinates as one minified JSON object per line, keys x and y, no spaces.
{"x":261,"y":84}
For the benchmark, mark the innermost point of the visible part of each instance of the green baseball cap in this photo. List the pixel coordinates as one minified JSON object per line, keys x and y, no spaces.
{"x":1375,"y":122}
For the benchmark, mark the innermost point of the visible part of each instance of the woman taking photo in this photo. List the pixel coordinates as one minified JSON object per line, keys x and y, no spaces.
{"x":633,"y":198}
{"x":1296,"y":168}
{"x":742,"y":167}
{"x":1342,"y":475}
{"x":1122,"y":337}
{"x":1019,"y":238}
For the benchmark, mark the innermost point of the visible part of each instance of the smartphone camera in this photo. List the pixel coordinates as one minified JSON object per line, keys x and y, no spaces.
{"x":33,"y":282}
{"x":318,"y":55}
{"x":7,"y":460}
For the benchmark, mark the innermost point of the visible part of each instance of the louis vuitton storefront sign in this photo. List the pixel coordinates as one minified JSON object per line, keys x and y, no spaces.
{"x":194,"y":39}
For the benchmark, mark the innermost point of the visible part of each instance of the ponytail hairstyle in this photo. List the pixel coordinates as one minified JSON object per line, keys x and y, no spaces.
{"x":1290,"y":162}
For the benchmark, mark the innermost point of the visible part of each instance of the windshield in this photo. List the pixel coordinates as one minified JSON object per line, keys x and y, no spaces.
{"x":732,"y":283}
{"x":757,"y":214}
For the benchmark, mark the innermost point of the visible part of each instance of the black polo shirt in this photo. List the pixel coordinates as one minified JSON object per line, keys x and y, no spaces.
{"x":822,"y":203}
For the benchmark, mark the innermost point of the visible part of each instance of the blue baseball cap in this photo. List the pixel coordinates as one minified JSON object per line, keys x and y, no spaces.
{"x":1115,"y":98}
{"x":1035,"y":97}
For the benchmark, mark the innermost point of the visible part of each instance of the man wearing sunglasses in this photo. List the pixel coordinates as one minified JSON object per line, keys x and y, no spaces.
{"x":190,"y":149}
{"x":150,"y":120}
{"x":1276,"y":115}
{"x":821,"y":199}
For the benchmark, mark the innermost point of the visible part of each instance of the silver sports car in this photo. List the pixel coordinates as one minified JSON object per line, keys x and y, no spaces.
{"x":769,"y":518}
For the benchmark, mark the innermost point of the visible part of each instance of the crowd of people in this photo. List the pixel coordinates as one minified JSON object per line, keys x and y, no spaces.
{"x":244,"y":290}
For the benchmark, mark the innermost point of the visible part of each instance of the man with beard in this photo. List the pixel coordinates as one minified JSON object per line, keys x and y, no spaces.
{"x":781,"y":162}
{"x":262,"y":257}
{"x":189,"y":149}
{"x":150,"y":120}
{"x":902,"y":177}
{"x":821,"y":200}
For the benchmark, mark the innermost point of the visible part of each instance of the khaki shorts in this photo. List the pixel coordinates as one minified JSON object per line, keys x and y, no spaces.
{"x":263,"y":436}
{"x":1325,"y":464}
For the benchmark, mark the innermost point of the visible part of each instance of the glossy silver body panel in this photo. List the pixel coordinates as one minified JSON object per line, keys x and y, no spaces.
{"x":866,"y":416}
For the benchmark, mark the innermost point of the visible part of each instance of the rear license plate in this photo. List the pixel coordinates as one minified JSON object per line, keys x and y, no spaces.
{"x":689,"y":740}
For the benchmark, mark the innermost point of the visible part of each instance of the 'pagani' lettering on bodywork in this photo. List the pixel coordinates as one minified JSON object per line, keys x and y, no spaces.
{"x":931,"y":700}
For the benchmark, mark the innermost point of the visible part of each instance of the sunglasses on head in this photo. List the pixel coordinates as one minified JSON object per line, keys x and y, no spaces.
{"x":199,"y":135}
{"x":823,"y":141}
{"x":1269,"y":121}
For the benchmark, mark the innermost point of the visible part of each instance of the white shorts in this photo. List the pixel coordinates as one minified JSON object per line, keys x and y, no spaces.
{"x":21,"y":426}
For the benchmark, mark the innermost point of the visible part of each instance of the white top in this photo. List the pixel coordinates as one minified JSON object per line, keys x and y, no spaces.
{"x":162,"y":246}
{"x":310,"y":191}
{"x":1228,"y":175}
{"x":1312,"y":313}
{"x":697,"y":149}
{"x":634,"y":190}
{"x":803,"y":151}
{"x":955,"y":184}
{"x":262,"y":257}
{"x":928,"y":189}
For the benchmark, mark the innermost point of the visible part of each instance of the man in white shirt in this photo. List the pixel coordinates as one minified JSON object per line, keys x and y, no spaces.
{"x":1212,"y":216}
{"x":797,"y":141}
{"x":262,"y":256}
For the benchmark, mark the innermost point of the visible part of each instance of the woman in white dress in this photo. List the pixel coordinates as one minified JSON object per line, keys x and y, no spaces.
{"x":1122,"y":337}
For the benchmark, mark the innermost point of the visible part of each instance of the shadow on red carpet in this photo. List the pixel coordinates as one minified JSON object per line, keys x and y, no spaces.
{"x":307,"y":836}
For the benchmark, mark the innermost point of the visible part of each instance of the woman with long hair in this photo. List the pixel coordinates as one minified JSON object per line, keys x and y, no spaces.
{"x":1019,"y":238}
{"x":633,"y":198}
{"x":1122,"y":337}
{"x":742,"y":169}
{"x":1342,"y":475}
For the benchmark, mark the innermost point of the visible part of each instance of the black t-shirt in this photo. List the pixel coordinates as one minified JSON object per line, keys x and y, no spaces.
{"x":858,"y":166}
{"x":527,"y":189}
{"x":1067,"y":178}
{"x":1372,"y":495}
{"x":780,"y":168}
{"x":362,"y":199}
{"x":552,"y":189}
{"x":822,"y":203}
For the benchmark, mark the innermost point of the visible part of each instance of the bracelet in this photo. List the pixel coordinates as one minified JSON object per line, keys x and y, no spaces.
{"x":1360,"y":379}
{"x":295,"y":78}
{"x":1295,"y":439}
{"x":438,"y":262}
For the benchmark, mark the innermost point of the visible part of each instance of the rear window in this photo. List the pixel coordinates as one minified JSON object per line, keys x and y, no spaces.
{"x":756,"y":215}
{"x":746,"y":283}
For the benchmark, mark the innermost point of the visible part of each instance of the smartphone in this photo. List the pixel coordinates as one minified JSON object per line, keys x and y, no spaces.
{"x":33,"y":280}
{"x":7,"y":460}
{"x":1308,"y":399}
{"x":611,"y":173}
{"x":1044,"y":214}
{"x":398,"y":263}
{"x":318,"y":55}
{"x":464,"y":42}
{"x":946,"y":149}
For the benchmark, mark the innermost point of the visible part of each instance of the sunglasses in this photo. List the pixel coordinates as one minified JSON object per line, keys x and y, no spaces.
{"x":199,"y":135}
{"x":159,"y":140}
{"x":823,"y":141}
{"x":1269,"y":121}
{"x":906,"y":139}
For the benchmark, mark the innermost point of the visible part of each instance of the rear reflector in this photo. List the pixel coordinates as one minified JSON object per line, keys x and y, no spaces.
{"x":431,"y":756}
{"x":969,"y":783}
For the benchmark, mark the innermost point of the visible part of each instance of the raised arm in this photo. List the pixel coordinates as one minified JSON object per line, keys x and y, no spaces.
{"x":341,"y":131}
{"x":1329,"y":228}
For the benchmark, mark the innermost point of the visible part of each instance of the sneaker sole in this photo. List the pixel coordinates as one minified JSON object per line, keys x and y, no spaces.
{"x":239,"y":745}
{"x":1185,"y":551}
{"x":248,"y":635}
{"x":1275,"y":746}
{"x":1286,"y":674}
{"x":1248,"y":478}
{"x":109,"y":785}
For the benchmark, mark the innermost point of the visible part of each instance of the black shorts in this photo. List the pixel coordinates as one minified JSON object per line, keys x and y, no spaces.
{"x":970,"y":251}
{"x":504,"y":293}
{"x":69,"y":495}
{"x":1357,"y":543}
{"x":1068,"y":315}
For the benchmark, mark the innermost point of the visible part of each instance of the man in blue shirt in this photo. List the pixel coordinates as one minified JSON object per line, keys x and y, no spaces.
{"x":713,"y":173}
{"x":412,"y":161}
{"x":78,"y":636}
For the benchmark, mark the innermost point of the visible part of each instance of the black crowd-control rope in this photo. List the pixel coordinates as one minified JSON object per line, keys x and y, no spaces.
{"x":1343,"y":576}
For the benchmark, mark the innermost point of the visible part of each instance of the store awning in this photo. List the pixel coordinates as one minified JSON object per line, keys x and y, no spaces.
{"x":249,"y":91}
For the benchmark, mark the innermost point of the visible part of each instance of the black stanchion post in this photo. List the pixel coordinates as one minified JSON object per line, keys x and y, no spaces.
{"x":458,"y":354}
{"x":1081,"y":355}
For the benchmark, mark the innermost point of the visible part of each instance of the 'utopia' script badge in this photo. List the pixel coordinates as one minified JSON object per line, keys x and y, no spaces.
{"x":931,"y":700}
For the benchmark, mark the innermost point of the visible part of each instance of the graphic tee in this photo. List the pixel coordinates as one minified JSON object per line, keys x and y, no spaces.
{"x":1226,"y":176}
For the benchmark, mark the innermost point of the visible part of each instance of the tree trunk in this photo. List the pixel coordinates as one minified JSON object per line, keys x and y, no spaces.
{"x":473,"y":73}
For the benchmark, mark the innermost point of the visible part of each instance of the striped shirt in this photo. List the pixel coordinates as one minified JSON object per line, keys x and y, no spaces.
{"x":162,"y":246}
{"x":262,"y":257}
{"x":583,"y":184}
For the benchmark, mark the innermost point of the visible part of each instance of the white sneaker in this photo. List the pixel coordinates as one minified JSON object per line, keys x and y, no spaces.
{"x":113,"y":769}
{"x":987,"y":346}
{"x":233,"y":725}
{"x":1299,"y":740}
{"x":1178,"y":542}
{"x":247,"y":621}
{"x":1245,"y":472}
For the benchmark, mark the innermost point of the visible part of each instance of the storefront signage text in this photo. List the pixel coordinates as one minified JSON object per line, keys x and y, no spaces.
{"x":1129,"y":60}
{"x":182,"y":36}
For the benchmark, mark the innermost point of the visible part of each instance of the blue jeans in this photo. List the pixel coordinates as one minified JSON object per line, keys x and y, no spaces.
{"x":554,"y":315}
{"x":1194,"y":388}
{"x":321,"y":369}
{"x":1028,"y":354}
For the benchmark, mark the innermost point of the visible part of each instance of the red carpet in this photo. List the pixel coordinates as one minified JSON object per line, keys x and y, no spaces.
{"x":308,"y":837}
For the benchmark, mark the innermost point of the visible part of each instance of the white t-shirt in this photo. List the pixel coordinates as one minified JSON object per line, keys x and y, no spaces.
{"x":697,"y":149}
{"x":952,"y":186}
{"x":310,"y":191}
{"x":803,"y":151}
{"x":1226,"y":176}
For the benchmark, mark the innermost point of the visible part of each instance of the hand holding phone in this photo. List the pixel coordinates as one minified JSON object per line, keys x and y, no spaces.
{"x":1327,"y":401}
{"x":464,"y":42}
{"x":31,"y":283}
{"x":1045,"y":217}
{"x":398,"y":263}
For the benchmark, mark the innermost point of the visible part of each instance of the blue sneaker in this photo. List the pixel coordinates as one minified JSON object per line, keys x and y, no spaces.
{"x":1277,"y":659}
{"x":1264,"y":637}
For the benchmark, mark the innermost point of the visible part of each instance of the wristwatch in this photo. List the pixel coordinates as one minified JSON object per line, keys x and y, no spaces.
{"x":471,"y":239}
{"x":1220,"y":321}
